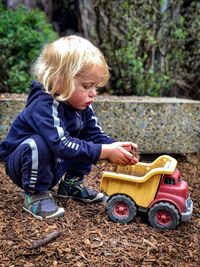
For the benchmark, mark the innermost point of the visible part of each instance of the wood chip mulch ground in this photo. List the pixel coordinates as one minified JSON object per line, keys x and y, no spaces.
{"x":85,"y":237}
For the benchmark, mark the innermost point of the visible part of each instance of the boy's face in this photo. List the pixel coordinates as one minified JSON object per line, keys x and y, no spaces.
{"x":85,"y":89}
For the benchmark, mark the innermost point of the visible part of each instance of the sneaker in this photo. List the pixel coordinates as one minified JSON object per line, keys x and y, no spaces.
{"x":42,"y":205}
{"x":75,"y":188}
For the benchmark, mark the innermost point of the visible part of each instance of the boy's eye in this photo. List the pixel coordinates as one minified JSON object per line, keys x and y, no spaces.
{"x":87,"y":87}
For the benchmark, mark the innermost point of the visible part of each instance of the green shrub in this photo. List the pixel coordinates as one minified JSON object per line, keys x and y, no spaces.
{"x":149,"y":45}
{"x":22,"y":34}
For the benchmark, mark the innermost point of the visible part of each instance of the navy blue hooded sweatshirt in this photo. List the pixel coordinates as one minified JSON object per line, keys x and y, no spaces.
{"x":69,"y":133}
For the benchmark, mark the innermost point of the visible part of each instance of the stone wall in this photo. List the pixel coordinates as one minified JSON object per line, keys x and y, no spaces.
{"x":157,"y":125}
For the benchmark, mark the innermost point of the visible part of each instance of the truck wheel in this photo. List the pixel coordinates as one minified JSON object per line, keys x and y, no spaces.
{"x":121,"y":208}
{"x":164,"y":216}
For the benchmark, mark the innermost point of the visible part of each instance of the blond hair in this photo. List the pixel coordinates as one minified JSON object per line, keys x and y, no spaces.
{"x":62,"y":61}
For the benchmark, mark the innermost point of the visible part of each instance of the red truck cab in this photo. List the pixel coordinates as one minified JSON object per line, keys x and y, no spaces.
{"x":174,"y":190}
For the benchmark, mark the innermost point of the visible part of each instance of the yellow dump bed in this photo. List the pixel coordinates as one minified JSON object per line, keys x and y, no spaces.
{"x":139,"y":181}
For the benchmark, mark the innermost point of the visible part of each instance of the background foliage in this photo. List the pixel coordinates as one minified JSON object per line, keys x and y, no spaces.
{"x":22,"y":34}
{"x":152,"y":47}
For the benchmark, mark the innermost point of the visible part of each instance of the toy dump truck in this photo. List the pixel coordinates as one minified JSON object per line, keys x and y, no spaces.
{"x":155,"y":188}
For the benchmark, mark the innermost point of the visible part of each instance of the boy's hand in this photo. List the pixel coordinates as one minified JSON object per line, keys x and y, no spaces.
{"x":119,"y":152}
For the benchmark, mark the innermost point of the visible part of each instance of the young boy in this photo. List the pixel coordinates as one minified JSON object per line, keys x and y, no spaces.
{"x":57,"y":132}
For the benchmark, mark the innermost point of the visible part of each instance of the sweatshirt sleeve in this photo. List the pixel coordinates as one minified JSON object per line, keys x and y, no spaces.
{"x":93,"y":131}
{"x":46,"y":121}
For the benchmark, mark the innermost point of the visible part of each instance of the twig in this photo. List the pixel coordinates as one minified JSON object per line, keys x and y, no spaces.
{"x":49,"y":237}
{"x":150,"y":244}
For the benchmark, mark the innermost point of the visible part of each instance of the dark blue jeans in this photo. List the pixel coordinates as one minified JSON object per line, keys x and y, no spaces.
{"x":33,"y":166}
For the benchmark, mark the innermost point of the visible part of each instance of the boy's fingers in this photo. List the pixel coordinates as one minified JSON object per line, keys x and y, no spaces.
{"x":128,"y":156}
{"x":134,"y":146}
{"x":131,"y":158}
{"x":135,"y":160}
{"x":130,"y":145}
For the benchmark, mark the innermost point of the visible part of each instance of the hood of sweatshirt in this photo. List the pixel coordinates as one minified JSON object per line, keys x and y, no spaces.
{"x":36,"y":90}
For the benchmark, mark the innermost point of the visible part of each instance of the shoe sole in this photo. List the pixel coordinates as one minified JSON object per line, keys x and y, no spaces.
{"x":97,"y":199}
{"x":59,"y":213}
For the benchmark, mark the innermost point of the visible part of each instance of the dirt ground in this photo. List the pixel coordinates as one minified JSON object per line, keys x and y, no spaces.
{"x":88,"y":238}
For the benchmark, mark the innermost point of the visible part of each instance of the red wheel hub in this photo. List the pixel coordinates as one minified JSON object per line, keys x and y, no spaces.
{"x":163,"y":217}
{"x":121,"y":209}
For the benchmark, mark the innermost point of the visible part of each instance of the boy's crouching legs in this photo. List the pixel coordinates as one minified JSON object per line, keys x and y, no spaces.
{"x":31,"y":167}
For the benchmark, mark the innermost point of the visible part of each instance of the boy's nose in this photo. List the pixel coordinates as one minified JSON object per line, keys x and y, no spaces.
{"x":93,"y":92}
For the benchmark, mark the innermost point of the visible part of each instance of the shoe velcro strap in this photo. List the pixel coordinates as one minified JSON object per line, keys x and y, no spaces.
{"x":71,"y":182}
{"x":39,"y":196}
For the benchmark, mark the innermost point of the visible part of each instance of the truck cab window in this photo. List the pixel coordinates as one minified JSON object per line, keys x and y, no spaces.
{"x":169,"y":180}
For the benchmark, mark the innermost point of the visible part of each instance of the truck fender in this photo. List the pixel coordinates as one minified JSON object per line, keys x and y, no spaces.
{"x":164,"y":200}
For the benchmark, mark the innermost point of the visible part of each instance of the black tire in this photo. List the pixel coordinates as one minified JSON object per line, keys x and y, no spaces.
{"x":164,"y":216}
{"x":121,"y":209}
